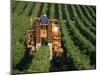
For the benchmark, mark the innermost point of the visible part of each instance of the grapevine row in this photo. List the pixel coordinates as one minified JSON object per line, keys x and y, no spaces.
{"x":40,"y":10}
{"x":14,"y":5}
{"x":36,"y":9}
{"x":86,"y":13}
{"x":52,"y":11}
{"x":21,"y":7}
{"x":81,"y":61}
{"x":85,"y":46}
{"x":85,"y":21}
{"x":91,"y":11}
{"x":89,"y":35}
{"x":44,"y":8}
{"x":28,"y":10}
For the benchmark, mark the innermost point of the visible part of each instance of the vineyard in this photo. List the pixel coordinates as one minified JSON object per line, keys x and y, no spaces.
{"x":78,"y":37}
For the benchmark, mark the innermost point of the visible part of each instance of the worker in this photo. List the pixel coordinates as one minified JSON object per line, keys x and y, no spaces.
{"x":44,"y":19}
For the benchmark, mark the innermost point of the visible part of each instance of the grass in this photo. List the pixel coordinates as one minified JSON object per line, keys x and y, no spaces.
{"x":39,"y":63}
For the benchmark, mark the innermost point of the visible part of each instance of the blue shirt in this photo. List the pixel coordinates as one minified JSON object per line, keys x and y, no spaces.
{"x":44,"y":20}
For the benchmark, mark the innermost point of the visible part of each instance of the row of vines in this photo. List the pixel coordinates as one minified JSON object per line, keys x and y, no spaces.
{"x":78,"y":29}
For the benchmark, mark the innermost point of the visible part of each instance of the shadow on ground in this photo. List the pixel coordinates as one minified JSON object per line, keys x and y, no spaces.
{"x":25,"y":62}
{"x":63,"y":63}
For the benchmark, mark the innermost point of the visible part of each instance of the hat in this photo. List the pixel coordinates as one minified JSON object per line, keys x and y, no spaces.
{"x":44,"y":15}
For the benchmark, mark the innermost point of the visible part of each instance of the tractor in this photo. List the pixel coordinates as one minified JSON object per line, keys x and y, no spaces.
{"x":39,"y":31}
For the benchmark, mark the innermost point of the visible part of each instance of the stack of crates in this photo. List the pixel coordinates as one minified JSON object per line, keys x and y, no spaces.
{"x":49,"y":32}
{"x":37,"y":32}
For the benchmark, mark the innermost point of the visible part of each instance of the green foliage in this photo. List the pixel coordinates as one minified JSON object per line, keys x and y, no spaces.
{"x":44,"y":8}
{"x":90,"y":17}
{"x":41,"y":61}
{"x":84,"y":45}
{"x":52,"y":11}
{"x":20,"y":7}
{"x":81,"y":61}
{"x":84,"y":30}
{"x":28,"y":9}
{"x":78,"y":47}
{"x":19,"y":26}
{"x":36,"y":10}
{"x":86,"y":22}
